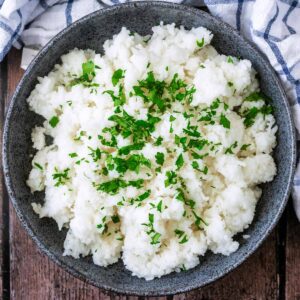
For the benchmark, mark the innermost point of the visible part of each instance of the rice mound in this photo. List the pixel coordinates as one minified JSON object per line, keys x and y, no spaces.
{"x":204,"y":145}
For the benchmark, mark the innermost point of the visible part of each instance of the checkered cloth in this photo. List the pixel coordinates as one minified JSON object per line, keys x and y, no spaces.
{"x":273,"y":25}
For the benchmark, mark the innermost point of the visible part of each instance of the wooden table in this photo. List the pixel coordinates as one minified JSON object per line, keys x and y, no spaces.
{"x":273,"y":272}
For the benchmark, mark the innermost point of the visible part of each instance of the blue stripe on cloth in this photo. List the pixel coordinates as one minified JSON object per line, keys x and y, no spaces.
{"x":289,"y":2}
{"x":276,"y":50}
{"x":115,"y":1}
{"x":285,"y":18}
{"x":69,"y":12}
{"x":298,"y":92}
{"x":12,"y":38}
{"x":271,"y":37}
{"x":238,"y":14}
{"x":297,"y":181}
{"x":44,"y":4}
{"x":293,"y":66}
{"x":216,"y":2}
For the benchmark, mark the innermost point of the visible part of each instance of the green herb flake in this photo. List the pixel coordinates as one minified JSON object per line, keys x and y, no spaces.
{"x":159,"y":206}
{"x":73,"y":154}
{"x":160,"y":158}
{"x":224,"y":121}
{"x":115,"y":219}
{"x":171,"y":178}
{"x":199,"y":43}
{"x":229,"y":150}
{"x":158,"y":141}
{"x":117,"y":76}
{"x":54,"y":121}
{"x":155,"y":238}
{"x":172,"y":118}
{"x":229,"y":60}
{"x":88,"y":74}
{"x":61,"y":177}
{"x":256,"y":96}
{"x":179,"y":162}
{"x":38,"y":166}
{"x":95,"y":154}
{"x":245,"y":146}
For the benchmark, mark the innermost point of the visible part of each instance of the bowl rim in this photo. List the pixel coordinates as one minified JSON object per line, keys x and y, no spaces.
{"x":5,"y":142}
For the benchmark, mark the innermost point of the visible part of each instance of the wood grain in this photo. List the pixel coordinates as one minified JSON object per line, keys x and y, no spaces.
{"x":4,"y":241}
{"x":292,"y":286}
{"x":33,"y":276}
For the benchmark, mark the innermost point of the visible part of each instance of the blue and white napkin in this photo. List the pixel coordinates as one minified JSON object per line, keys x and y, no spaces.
{"x":273,"y":25}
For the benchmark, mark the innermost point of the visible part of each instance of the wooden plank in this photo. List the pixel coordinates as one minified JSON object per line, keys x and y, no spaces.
{"x":34,"y":276}
{"x":292,"y":268}
{"x":254,"y":279}
{"x":4,"y":230}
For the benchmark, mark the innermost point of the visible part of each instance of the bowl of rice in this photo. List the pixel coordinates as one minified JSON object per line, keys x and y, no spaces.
{"x":149,"y":149}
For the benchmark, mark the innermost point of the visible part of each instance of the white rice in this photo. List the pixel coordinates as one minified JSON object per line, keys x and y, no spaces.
{"x":162,"y":233}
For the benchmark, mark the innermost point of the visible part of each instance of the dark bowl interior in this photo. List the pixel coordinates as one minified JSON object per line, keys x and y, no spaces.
{"x":91,"y":32}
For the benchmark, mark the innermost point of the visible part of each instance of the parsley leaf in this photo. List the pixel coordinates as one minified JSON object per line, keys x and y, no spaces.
{"x":229,"y":150}
{"x":245,"y":146}
{"x":115,"y":219}
{"x":256,"y":96}
{"x":229,"y":60}
{"x":160,"y":158}
{"x":54,"y":121}
{"x":224,"y":121}
{"x":117,"y":76}
{"x":171,"y":178}
{"x":158,"y":141}
{"x":200,"y":44}
{"x":179,"y":162}
{"x":125,"y":150}
{"x":38,"y":166}
{"x":61,"y":177}
{"x":88,"y":74}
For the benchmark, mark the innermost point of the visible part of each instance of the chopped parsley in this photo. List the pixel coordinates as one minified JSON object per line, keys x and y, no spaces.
{"x":181,"y":236}
{"x":251,"y":114}
{"x":54,"y":121}
{"x":117,"y":76}
{"x":132,"y":163}
{"x":155,"y":236}
{"x":195,"y":166}
{"x":113,"y":186}
{"x":256,"y":96}
{"x":118,"y":100}
{"x":73,"y":154}
{"x":200,"y":44}
{"x":159,"y":206}
{"x":158,"y":141}
{"x":229,"y":60}
{"x":38,"y":166}
{"x":245,"y":146}
{"x":115,"y":219}
{"x":179,"y":162}
{"x":224,"y":121}
{"x":125,"y":150}
{"x":160,"y":158}
{"x":61,"y":177}
{"x":229,"y":150}
{"x":88,"y":74}
{"x":95,"y":154}
{"x":171,"y":178}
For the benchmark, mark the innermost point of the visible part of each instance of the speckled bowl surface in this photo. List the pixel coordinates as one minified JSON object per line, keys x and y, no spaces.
{"x":91,"y":32}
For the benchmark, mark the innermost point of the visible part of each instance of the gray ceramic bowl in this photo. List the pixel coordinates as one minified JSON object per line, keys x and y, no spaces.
{"x":91,"y":32}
